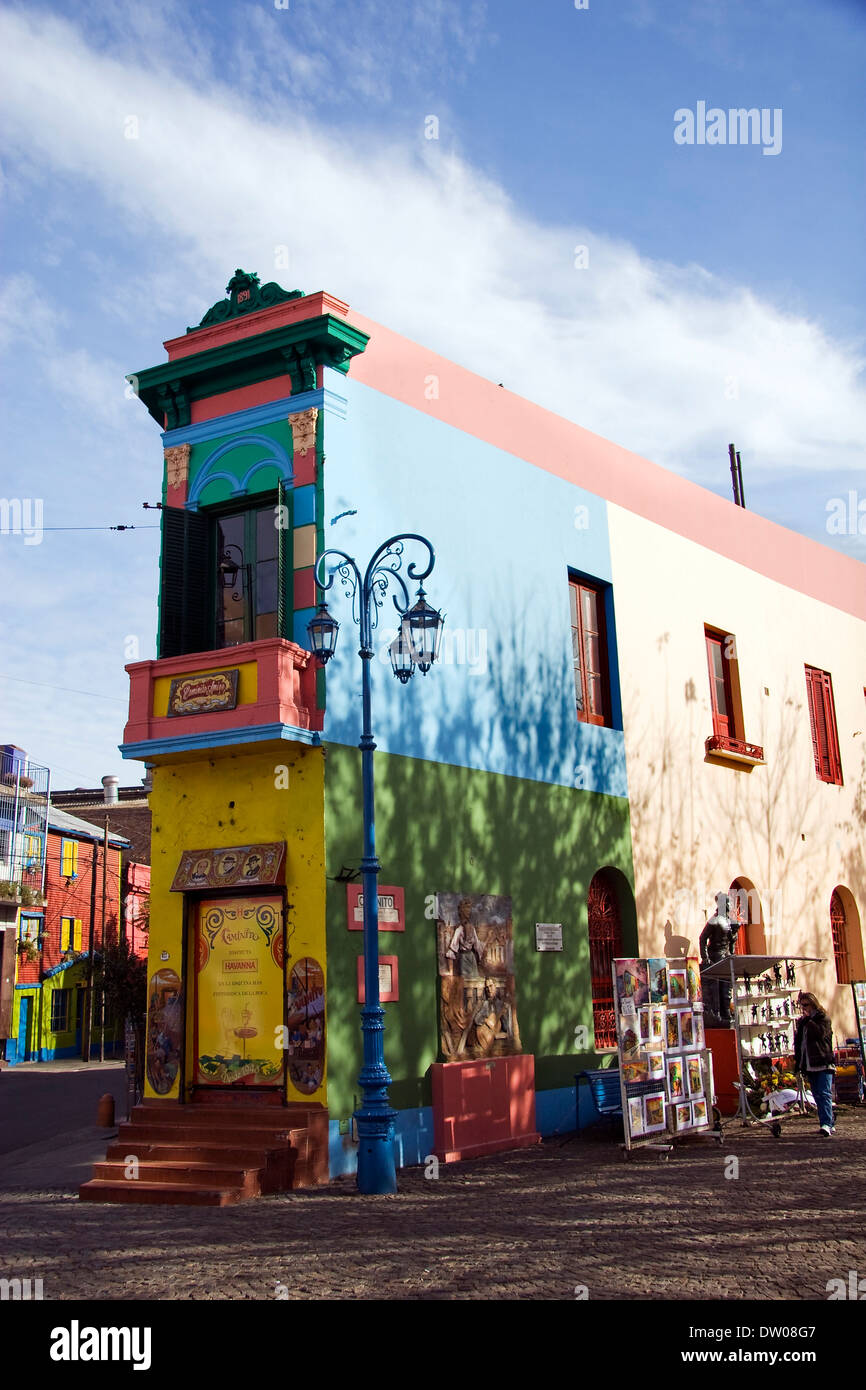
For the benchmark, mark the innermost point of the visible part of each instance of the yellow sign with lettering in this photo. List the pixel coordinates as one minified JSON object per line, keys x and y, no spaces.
{"x":239,"y":991}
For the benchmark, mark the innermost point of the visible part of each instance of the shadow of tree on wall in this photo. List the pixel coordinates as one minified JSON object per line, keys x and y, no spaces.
{"x":698,"y":824}
{"x":446,"y":828}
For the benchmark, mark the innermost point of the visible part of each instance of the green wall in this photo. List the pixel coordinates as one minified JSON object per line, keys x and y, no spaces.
{"x":237,"y":461}
{"x":441,"y":828}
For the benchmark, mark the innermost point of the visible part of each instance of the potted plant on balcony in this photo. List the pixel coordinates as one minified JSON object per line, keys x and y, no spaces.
{"x":28,"y":951}
{"x":9,"y":779}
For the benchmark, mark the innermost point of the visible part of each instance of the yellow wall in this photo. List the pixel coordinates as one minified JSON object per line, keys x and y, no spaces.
{"x":247,"y":685}
{"x":698,"y":825}
{"x":190,"y":810}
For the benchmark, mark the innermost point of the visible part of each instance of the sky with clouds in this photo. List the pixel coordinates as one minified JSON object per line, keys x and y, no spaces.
{"x":150,"y":149}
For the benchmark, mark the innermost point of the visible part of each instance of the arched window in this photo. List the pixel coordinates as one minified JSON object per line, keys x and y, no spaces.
{"x":839,"y":928}
{"x":605,"y":944}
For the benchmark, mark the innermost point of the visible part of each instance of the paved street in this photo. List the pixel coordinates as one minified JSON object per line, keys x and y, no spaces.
{"x":532,"y":1224}
{"x":39,"y":1100}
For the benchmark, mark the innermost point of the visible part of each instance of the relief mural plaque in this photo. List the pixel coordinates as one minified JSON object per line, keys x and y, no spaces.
{"x":478,"y":1011}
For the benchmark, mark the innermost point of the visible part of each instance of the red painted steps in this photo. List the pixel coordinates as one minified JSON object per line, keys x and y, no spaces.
{"x":212,"y":1155}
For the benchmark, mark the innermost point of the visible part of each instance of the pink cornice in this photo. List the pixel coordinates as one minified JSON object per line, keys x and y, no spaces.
{"x":398,"y":368}
{"x":311,"y":306}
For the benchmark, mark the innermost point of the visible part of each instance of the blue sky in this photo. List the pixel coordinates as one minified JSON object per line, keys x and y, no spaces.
{"x":721,"y":298}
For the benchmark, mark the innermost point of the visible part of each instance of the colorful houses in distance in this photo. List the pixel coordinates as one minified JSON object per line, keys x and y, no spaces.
{"x":64,"y":884}
{"x":645,"y":696}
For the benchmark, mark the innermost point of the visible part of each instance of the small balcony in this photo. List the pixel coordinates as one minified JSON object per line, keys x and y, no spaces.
{"x":734,"y":750}
{"x":252,"y":693}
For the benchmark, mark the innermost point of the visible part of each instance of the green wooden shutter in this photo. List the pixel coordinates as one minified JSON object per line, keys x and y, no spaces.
{"x":184,"y":613}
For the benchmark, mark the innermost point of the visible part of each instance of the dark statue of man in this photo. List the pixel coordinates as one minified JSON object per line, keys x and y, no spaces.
{"x":717,"y":943}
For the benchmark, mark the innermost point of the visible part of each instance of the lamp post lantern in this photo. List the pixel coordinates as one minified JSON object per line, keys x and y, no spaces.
{"x":416,"y":643}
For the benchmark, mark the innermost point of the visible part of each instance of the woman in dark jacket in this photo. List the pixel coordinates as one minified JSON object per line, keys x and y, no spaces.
{"x":813,"y":1055}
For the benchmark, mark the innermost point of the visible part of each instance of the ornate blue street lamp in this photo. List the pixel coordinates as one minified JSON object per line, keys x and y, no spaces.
{"x":416,"y":644}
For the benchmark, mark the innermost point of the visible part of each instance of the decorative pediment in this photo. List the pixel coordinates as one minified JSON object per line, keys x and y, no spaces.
{"x":246,"y":295}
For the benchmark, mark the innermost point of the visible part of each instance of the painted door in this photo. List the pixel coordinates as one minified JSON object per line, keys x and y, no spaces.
{"x":25,"y":1028}
{"x":240,"y":991}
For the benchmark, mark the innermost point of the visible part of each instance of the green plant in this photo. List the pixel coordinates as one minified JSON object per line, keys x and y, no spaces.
{"x":29,"y":896}
{"x":8,"y":890}
{"x":123,"y":977}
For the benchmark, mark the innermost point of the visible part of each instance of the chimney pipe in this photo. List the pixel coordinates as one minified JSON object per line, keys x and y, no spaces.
{"x":109,"y":787}
{"x":735,"y":478}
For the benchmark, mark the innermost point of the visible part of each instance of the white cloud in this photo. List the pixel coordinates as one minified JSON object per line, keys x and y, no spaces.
{"x":94,"y":387}
{"x":666,"y":359}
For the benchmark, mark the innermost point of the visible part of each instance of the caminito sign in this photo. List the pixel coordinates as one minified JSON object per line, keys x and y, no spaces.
{"x":217,"y":690}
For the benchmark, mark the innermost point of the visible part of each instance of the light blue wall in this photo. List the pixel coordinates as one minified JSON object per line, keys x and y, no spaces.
{"x":506,"y":535}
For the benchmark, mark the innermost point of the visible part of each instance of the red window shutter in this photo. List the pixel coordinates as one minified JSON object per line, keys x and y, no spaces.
{"x":822,"y":714}
{"x":811,"y":695}
{"x":719,"y":697}
{"x":834,"y":759}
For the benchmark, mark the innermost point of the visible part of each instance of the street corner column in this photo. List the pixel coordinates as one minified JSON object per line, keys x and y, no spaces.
{"x":166,"y":1034}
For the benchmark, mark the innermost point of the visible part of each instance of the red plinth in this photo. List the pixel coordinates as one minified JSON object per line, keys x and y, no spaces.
{"x":722,"y":1042}
{"x":483,"y":1107}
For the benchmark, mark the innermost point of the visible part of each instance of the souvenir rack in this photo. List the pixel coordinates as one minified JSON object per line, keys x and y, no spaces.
{"x":665,"y":1067}
{"x":769,"y":1037}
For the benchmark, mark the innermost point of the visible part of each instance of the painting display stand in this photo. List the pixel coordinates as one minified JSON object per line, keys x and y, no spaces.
{"x":740,"y":972}
{"x":859,"y":989}
{"x":665,"y":1066}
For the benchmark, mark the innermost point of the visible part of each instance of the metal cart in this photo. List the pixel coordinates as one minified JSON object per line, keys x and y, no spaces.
{"x":734,"y":968}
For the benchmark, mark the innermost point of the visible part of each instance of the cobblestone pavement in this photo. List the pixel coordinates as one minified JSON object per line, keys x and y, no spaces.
{"x":531,"y":1224}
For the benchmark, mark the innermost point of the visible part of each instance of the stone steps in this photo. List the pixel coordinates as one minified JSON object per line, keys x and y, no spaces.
{"x":159,"y":1194}
{"x":212,"y":1155}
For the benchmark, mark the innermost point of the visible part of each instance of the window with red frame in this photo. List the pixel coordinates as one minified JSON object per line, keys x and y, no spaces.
{"x":822,"y":714}
{"x":839,"y":928}
{"x":589,"y":652}
{"x":721,"y":653}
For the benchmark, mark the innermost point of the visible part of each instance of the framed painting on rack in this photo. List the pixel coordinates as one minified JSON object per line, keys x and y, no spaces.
{"x":654,"y":1112}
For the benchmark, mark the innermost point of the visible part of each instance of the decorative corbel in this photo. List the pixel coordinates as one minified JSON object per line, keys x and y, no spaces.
{"x":177,"y":465}
{"x":174,"y":404}
{"x":301,"y":367}
{"x":303,"y":424}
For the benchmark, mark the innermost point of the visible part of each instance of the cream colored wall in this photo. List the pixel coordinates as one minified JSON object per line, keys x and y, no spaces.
{"x":698,"y":825}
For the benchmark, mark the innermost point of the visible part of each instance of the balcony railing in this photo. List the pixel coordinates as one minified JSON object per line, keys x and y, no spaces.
{"x":734,"y":748}
{"x":263,"y":687}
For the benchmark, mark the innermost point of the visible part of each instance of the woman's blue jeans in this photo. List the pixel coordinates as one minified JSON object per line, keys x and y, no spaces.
{"x":821,"y":1083}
